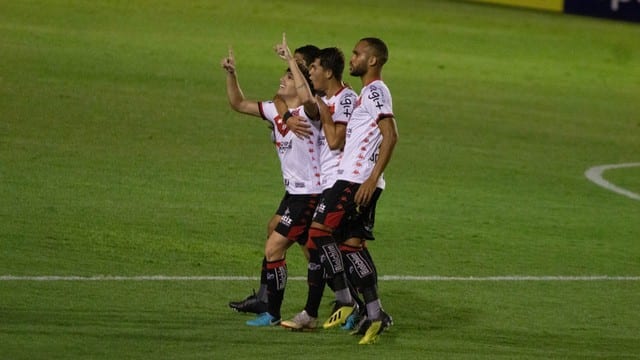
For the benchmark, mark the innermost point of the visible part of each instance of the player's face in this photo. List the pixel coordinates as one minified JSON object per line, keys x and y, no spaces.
{"x":287,"y":86}
{"x":359,"y":59}
{"x":317,"y":75}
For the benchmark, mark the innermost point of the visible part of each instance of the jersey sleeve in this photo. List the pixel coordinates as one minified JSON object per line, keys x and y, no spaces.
{"x":378,"y":103}
{"x":268,"y":111}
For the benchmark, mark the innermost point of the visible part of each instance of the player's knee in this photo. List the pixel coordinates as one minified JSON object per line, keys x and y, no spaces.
{"x":276,"y":247}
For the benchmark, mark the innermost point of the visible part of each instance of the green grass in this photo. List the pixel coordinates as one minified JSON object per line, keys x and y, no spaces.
{"x":119,"y":155}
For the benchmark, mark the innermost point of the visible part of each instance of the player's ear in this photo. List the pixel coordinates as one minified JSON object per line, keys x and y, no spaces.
{"x":328,"y":73}
{"x":372,"y":61}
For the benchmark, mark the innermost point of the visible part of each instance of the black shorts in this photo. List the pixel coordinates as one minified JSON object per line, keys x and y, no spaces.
{"x":296,"y":212}
{"x":338,"y":211}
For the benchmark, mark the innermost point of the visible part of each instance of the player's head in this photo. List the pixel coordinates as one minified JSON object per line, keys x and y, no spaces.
{"x":306,"y":54}
{"x":287,"y":84}
{"x":368,"y":53}
{"x":328,"y":64}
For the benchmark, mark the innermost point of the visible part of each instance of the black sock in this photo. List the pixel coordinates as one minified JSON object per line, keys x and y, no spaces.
{"x":262,"y":291}
{"x":276,"y":282}
{"x":315,"y":281}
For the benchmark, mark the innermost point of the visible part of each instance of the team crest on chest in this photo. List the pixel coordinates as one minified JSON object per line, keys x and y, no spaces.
{"x":281,"y":126}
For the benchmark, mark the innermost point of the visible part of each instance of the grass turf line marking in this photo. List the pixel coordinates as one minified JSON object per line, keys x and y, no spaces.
{"x":595,"y":174}
{"x":302,"y":278}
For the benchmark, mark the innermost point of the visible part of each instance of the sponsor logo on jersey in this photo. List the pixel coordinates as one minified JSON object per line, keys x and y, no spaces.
{"x":285,"y":219}
{"x":284,"y":146}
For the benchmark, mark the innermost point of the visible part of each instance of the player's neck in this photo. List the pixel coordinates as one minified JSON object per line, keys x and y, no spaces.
{"x":333,"y":88}
{"x":370,"y":76}
{"x":292,"y":102}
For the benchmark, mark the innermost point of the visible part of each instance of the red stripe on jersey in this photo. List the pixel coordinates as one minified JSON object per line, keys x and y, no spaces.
{"x":276,"y":264}
{"x":311,"y":245}
{"x":281,"y":126}
{"x":333,"y":219}
{"x":347,"y":248}
{"x":316,"y":233}
{"x":296,"y":231}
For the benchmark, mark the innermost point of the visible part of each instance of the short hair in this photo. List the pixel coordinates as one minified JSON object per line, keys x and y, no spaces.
{"x":332,"y":58}
{"x":380,"y":49}
{"x":308,"y":52}
{"x":305,"y":73}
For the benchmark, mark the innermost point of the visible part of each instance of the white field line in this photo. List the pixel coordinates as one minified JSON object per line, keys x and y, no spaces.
{"x":595,"y":174}
{"x":301,"y":278}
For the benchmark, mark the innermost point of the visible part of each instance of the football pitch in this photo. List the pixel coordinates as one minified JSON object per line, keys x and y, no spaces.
{"x":134,"y":202}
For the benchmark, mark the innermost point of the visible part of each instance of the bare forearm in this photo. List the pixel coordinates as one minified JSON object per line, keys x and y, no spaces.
{"x":237,"y":99}
{"x":234,"y":93}
{"x":335,"y":134}
{"x":302,"y":87}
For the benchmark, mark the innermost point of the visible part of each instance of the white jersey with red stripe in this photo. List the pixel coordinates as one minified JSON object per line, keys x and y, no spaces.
{"x":363,"y":136}
{"x":341,"y":106}
{"x":299,"y":158}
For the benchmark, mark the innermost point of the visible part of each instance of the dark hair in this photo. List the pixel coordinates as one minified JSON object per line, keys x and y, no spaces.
{"x":305,"y":73}
{"x":379,"y":48}
{"x":308,"y":52}
{"x":332,"y":58}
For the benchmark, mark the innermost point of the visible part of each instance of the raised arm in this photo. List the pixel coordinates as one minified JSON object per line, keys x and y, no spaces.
{"x":303,"y":90}
{"x":234,"y":93}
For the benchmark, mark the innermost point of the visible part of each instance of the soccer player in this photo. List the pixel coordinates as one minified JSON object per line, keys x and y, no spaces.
{"x":371,"y":136}
{"x":301,"y":175}
{"x":257,"y":302}
{"x":338,"y":100}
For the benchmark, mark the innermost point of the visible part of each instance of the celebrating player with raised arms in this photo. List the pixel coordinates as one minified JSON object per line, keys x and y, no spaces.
{"x":301,"y":176}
